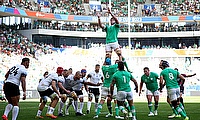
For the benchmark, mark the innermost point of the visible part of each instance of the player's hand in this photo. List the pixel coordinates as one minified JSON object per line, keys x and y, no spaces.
{"x":109,"y":10}
{"x":140,"y":93}
{"x":98,"y":84}
{"x":160,"y":90}
{"x":136,"y":89}
{"x":98,"y":15}
{"x":24,"y":96}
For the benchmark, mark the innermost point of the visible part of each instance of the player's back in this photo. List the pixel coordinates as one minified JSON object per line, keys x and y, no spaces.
{"x":122,"y":79}
{"x":15,"y":74}
{"x":170,"y":76}
{"x":108,"y":71}
{"x":46,"y":83}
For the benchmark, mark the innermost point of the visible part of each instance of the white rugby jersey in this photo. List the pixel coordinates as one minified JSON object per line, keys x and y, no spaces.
{"x":46,"y":83}
{"x":15,"y":74}
{"x":95,"y":78}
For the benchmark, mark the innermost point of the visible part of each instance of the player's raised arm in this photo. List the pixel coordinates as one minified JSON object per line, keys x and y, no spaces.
{"x":99,"y":21}
{"x":113,"y":16}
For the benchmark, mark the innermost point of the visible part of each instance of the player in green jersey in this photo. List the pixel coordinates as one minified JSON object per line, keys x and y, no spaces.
{"x":122,"y":78}
{"x":108,"y":71}
{"x":150,"y":79}
{"x":173,"y":91}
{"x":111,"y":35}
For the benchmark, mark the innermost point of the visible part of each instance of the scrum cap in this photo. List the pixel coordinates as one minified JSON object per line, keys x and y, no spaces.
{"x":59,"y":70}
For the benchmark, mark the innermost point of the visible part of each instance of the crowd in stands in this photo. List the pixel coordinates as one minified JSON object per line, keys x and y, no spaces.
{"x":11,"y":42}
{"x":123,"y":27}
{"x":119,"y":7}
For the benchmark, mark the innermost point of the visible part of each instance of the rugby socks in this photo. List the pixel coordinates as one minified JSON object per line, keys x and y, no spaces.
{"x":76,"y":106}
{"x":122,"y":109}
{"x":109,"y":105}
{"x":89,"y":105}
{"x":116,"y":110}
{"x":48,"y":109}
{"x":51,"y":110}
{"x":81,"y":107}
{"x":180,"y":111}
{"x":150,"y":105}
{"x":182,"y":107}
{"x":95,"y":106}
{"x":181,"y":100}
{"x":99,"y":109}
{"x":60,"y":107}
{"x":8,"y":109}
{"x":174,"y":110}
{"x":156,"y":106}
{"x":133,"y":110}
{"x":39,"y":112}
{"x":127,"y":106}
{"x":15,"y":112}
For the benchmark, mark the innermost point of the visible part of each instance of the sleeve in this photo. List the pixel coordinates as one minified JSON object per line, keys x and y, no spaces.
{"x":157,"y":76}
{"x":54,"y":77}
{"x":23,"y":73}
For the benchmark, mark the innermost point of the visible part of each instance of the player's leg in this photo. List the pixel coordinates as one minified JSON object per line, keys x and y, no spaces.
{"x":41,"y":107}
{"x":96,"y":96}
{"x":108,"y":49}
{"x":119,"y":53}
{"x":175,"y":113}
{"x":54,"y":100}
{"x":81,"y":103}
{"x":9,"y":106}
{"x":68,"y":105}
{"x":173,"y":96}
{"x":15,"y":110}
{"x":109,"y":106}
{"x":156,"y":100}
{"x":103,"y":98}
{"x":90,"y":97}
{"x":121,"y":96}
{"x":131,"y":104}
{"x":126,"y":105}
{"x":61,"y":105}
{"x":149,"y":96}
{"x":104,"y":93}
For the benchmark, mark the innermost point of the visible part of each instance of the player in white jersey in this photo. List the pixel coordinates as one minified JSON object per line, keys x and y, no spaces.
{"x":14,"y":76}
{"x":47,"y":87}
{"x":43,"y":77}
{"x":77,"y":83}
{"x":62,"y":91}
{"x":95,"y":77}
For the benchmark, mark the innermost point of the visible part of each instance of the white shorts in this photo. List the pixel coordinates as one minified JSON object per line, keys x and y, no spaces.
{"x":173,"y":94}
{"x":122,"y":95}
{"x":156,"y":93}
{"x":104,"y":92}
{"x":111,"y":46}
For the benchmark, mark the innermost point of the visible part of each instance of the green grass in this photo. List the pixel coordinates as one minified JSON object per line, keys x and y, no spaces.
{"x":28,"y":111}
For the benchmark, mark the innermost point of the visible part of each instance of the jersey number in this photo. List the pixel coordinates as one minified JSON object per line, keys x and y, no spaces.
{"x":107,"y":75}
{"x":125,"y":80}
{"x":14,"y":70}
{"x":171,"y":76}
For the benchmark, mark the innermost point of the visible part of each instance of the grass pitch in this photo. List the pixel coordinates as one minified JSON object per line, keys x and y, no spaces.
{"x":28,"y":111}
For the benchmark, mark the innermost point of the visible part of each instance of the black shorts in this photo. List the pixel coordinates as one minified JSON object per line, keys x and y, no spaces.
{"x":95,"y":91}
{"x":11,"y":89}
{"x":47,"y":92}
{"x":78,"y":92}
